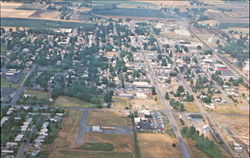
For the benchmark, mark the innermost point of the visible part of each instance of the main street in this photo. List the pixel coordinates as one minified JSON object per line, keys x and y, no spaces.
{"x":151,"y":74}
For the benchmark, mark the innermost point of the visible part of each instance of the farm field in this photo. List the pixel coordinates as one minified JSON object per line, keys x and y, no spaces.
{"x":108,"y":118}
{"x":132,"y":12}
{"x":158,"y":146}
{"x":66,"y":101}
{"x":39,"y":23}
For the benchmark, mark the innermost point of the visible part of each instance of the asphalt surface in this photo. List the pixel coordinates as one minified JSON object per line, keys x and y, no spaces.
{"x":83,"y":127}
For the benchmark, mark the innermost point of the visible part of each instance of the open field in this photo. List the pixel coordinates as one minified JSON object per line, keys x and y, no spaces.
{"x":66,"y":101}
{"x":120,"y":103}
{"x":108,"y":118}
{"x":158,"y":146}
{"x":230,"y":109}
{"x":190,"y":107}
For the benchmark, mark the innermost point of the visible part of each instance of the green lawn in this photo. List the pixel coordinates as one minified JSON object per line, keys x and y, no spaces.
{"x":66,"y":101}
{"x":6,"y":83}
{"x":91,"y":154}
{"x":97,"y":146}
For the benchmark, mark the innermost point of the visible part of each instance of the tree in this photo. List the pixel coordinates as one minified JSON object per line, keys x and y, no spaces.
{"x":154,"y":91}
{"x":108,"y":98}
{"x":199,"y":47}
{"x":166,"y":96}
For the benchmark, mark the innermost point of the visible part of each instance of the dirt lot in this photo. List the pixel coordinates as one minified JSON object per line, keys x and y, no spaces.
{"x":108,"y":118}
{"x":150,"y":103}
{"x":158,"y":146}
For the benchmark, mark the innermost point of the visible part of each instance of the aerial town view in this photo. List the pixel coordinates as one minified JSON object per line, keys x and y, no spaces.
{"x":124,"y":79}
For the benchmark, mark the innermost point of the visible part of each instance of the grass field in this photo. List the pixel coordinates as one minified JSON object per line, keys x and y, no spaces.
{"x":66,"y":101}
{"x":108,"y":118}
{"x":158,"y":146}
{"x":120,"y":142}
{"x":39,"y":23}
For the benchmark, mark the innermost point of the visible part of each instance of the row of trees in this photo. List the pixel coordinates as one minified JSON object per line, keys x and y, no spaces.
{"x":202,"y":143}
{"x":178,"y":106}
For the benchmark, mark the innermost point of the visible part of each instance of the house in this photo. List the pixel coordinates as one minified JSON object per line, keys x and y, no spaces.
{"x":3,"y":120}
{"x":96,"y":129}
{"x":19,"y":137}
{"x":142,"y":84}
{"x":141,"y":95}
{"x":195,"y":117}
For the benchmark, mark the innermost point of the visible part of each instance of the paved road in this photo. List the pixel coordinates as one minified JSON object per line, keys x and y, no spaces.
{"x":22,"y":88}
{"x":83,"y":127}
